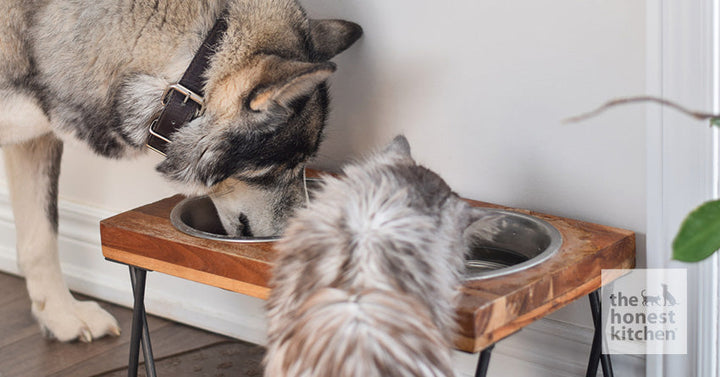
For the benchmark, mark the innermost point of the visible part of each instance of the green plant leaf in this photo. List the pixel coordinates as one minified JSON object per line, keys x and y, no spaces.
{"x":715,"y":122}
{"x":699,"y":234}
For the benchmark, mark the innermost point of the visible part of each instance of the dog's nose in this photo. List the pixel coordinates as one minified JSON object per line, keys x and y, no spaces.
{"x":243,"y":228}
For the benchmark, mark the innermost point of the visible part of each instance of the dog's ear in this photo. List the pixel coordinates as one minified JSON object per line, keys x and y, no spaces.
{"x":331,"y":37}
{"x":399,"y":145}
{"x":299,"y":79}
{"x":399,"y":148}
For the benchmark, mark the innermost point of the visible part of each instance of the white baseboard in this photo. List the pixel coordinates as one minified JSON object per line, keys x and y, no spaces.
{"x":545,"y":348}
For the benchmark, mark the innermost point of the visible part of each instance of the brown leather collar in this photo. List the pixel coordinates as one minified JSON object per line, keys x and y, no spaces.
{"x":184,"y":100}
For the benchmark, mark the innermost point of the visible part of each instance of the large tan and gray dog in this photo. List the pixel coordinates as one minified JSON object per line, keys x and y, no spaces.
{"x":368,"y":275}
{"x":96,"y":70}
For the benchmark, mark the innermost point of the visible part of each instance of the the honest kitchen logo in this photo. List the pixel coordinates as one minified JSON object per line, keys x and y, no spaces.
{"x":645,"y":311}
{"x":641,"y":326}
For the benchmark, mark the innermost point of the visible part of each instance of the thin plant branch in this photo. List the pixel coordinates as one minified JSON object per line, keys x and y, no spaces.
{"x":628,"y":100}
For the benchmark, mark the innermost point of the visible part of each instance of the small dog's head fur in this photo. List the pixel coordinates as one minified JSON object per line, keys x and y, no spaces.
{"x":339,"y":334}
{"x":381,"y":243}
{"x":265,"y":107}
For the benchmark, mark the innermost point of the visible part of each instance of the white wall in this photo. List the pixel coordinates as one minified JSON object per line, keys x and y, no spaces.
{"x":479,"y":88}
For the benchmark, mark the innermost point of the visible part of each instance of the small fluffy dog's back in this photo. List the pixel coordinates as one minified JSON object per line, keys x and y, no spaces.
{"x":367,"y":276}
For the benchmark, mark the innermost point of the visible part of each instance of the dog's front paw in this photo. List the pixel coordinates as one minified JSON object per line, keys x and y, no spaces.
{"x":82,"y":320}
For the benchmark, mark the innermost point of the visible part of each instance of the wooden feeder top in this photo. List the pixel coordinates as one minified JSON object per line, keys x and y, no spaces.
{"x":490,"y":309}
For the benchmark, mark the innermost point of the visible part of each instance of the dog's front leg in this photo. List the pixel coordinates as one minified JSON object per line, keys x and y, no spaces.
{"x":33,"y":168}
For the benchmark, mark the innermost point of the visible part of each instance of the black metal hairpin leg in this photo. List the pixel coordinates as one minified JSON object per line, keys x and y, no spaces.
{"x":140,"y":332}
{"x":484,"y":361}
{"x":596,"y":354}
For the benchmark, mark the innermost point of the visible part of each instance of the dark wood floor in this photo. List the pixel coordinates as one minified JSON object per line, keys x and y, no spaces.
{"x":179,"y":350}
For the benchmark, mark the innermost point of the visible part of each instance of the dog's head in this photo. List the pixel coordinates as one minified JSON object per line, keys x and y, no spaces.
{"x":265,"y":108}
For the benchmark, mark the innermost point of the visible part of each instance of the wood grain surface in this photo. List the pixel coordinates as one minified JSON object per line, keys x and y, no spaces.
{"x":490,"y":310}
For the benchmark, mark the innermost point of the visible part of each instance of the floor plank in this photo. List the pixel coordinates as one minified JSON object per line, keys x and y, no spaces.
{"x":169,"y":340}
{"x":236,"y":359}
{"x":17,"y":323}
{"x":11,"y":288}
{"x":24,"y":352}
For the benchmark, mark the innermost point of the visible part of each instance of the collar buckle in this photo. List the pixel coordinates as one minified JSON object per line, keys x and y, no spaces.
{"x":176,"y":111}
{"x":154,"y":133}
{"x":189,"y":95}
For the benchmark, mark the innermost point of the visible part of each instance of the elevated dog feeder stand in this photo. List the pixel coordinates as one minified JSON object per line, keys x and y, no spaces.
{"x":491,"y":309}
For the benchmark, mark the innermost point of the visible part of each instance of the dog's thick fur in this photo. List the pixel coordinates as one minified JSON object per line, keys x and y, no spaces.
{"x":368,"y":274}
{"x":95,"y":70}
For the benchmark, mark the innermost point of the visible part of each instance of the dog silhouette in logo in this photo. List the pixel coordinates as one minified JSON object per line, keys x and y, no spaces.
{"x":654,"y":300}
{"x":668,"y":298}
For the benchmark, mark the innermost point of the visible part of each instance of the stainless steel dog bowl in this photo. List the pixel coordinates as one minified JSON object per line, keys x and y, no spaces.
{"x":502,"y":242}
{"x":197,"y":216}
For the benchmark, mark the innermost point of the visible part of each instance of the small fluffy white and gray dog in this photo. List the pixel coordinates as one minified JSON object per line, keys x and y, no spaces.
{"x":367,"y":275}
